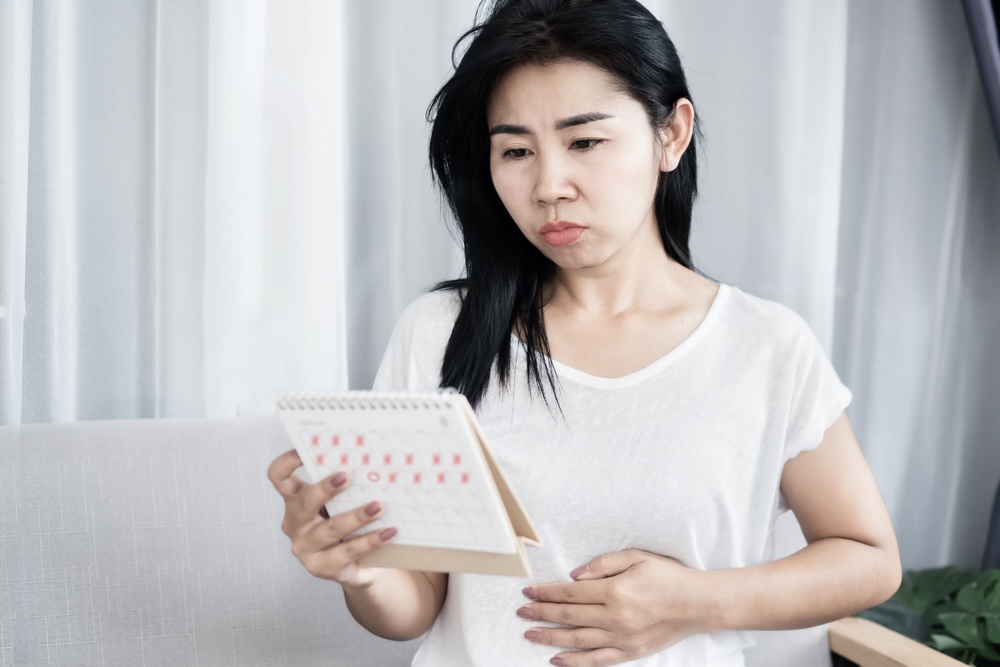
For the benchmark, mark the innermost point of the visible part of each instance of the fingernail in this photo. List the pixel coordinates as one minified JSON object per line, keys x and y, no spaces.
{"x":530,"y":592}
{"x":338,"y":480}
{"x":525,"y":612}
{"x":387,"y":534}
{"x":557,"y":661}
{"x":577,"y":572}
{"x":533,"y":636}
{"x":372,"y":508}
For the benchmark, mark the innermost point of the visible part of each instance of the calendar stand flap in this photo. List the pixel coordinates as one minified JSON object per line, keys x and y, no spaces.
{"x":437,"y":559}
{"x":523,"y":528}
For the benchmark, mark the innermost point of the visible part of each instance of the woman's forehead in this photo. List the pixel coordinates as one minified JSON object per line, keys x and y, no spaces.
{"x":553,"y":91}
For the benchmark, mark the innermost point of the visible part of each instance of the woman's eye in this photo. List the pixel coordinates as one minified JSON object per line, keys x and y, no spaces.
{"x":586,"y":144}
{"x":515,"y":153}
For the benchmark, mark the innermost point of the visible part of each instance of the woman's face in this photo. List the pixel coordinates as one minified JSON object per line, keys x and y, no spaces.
{"x":576,"y":164}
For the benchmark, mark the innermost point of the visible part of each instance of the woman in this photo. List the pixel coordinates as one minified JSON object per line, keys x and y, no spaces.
{"x":653,"y":422}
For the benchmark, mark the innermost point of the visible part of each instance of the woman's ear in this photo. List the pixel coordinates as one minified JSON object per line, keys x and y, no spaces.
{"x":675,"y":135}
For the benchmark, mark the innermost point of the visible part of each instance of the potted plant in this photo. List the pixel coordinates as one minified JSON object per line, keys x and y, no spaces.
{"x":954,"y":610}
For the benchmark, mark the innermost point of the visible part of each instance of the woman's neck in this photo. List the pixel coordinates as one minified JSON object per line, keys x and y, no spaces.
{"x":647,"y":280}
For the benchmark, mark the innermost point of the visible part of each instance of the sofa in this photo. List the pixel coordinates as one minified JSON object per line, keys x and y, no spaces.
{"x":157,"y":542}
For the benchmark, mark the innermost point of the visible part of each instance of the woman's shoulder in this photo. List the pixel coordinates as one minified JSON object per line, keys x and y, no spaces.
{"x":439,"y":306}
{"x":429,"y":318}
{"x":762,"y":318}
{"x":412,"y":359}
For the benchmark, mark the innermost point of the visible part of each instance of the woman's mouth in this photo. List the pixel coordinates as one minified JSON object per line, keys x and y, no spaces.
{"x":560,"y":232}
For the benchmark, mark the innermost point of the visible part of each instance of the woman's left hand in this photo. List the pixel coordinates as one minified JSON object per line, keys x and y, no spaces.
{"x":621,"y":606}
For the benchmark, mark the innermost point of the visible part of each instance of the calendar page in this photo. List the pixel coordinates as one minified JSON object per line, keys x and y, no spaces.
{"x":419,"y":454}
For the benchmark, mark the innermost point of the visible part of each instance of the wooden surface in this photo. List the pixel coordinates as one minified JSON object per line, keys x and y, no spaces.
{"x":872,"y":645}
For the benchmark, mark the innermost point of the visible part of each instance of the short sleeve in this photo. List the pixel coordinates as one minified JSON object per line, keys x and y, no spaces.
{"x":412,"y":359}
{"x":392,"y":372}
{"x":817,"y":398}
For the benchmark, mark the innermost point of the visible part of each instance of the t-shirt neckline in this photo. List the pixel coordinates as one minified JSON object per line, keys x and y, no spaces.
{"x":569,"y":373}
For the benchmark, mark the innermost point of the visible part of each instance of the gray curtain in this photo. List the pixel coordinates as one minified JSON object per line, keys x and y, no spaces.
{"x":983,"y":17}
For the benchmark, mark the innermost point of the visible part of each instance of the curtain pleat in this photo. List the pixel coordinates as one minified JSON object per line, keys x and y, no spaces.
{"x":15,"y":106}
{"x":179,"y":190}
{"x":112,"y":220}
{"x":49,"y":352}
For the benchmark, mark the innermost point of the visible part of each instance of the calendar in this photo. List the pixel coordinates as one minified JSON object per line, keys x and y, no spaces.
{"x":424,"y":457}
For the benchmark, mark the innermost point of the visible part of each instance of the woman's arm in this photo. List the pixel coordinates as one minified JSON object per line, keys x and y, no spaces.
{"x":395,"y":604}
{"x":398,"y":604}
{"x":633,"y":603}
{"x":851,"y":561}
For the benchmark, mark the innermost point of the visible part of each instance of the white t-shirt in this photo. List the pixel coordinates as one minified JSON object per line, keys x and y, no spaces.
{"x":682,"y":458}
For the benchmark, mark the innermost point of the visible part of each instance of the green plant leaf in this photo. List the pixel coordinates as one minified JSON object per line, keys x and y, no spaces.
{"x":981,"y":594}
{"x":970,"y":598}
{"x":948,"y":644}
{"x":965,"y":628}
{"x":991,"y":653}
{"x":993,"y":629}
{"x":923,"y":590}
{"x":990,"y":581}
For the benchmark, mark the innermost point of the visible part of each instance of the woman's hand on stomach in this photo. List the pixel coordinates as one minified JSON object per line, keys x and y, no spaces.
{"x":621,"y":606}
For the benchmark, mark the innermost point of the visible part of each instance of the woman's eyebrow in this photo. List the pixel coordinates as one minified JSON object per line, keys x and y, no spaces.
{"x":582,"y":119}
{"x":572,"y":121}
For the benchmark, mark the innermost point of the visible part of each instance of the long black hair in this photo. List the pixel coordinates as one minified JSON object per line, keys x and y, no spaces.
{"x":504,"y":274}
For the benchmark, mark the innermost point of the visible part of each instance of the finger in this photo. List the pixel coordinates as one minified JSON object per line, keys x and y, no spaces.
{"x":306,"y":505}
{"x":328,"y":533}
{"x":601,"y":657}
{"x":575,"y":638}
{"x":609,"y":565}
{"x":576,"y":615}
{"x":281,"y":470}
{"x":328,"y":563}
{"x":575,"y":592}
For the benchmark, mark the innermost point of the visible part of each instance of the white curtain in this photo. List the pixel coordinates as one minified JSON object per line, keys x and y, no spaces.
{"x":202,"y":204}
{"x":172,"y":230}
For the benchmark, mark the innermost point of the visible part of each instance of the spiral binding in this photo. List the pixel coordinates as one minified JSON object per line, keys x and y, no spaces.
{"x":367,"y":400}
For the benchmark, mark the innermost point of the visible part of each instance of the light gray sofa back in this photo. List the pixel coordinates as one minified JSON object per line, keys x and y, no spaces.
{"x":158,"y":543}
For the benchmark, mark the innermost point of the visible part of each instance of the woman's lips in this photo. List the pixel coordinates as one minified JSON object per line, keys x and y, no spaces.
{"x":560,"y":233}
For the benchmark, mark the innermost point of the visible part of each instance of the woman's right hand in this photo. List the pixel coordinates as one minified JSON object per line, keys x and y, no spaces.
{"x":317,"y":541}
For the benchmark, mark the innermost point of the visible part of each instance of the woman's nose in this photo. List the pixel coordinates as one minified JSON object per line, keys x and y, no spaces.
{"x":553,"y":180}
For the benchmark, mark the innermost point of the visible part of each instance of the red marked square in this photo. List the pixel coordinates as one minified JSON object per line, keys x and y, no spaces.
{"x":319,"y":459}
{"x":409,"y":459}
{"x":335,"y":440}
{"x":315,"y":441}
{"x":440,"y":478}
{"x":465,"y":478}
{"x":387,"y":459}
{"x":343,"y":459}
{"x":416,"y":478}
{"x":437,"y":459}
{"x":364,"y":459}
{"x":361,"y":440}
{"x":457,"y":459}
{"x":392,"y":478}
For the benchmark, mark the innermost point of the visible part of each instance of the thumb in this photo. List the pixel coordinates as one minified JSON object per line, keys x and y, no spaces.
{"x":608,"y":565}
